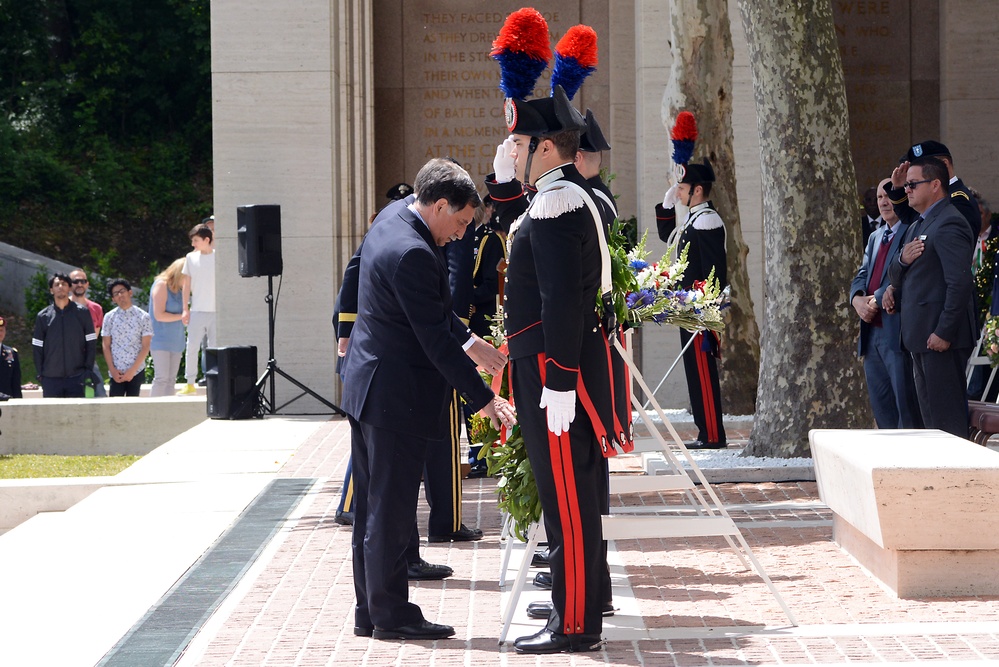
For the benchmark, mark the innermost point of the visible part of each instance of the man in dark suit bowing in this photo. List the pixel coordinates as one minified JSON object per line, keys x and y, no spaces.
{"x":398,"y":375}
{"x":931,"y":287}
{"x":888,"y":369}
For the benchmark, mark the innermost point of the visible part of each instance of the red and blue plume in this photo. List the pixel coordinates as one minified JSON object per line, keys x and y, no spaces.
{"x":523,"y":50}
{"x":575,"y":58}
{"x":684,"y":135}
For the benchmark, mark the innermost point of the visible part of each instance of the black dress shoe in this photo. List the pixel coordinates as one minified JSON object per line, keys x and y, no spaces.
{"x":477,"y":472}
{"x":362,"y":631}
{"x":421,"y":569}
{"x":463,"y":534}
{"x":543,"y":580}
{"x":698,"y":444}
{"x":344,"y":518}
{"x":543,"y":609}
{"x":422,"y":630}
{"x":540,"y":558}
{"x":547,"y":641}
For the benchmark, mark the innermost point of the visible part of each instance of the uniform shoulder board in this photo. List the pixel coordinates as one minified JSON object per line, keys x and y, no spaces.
{"x":708,"y":220}
{"x":553,"y":203}
{"x":960,"y":193}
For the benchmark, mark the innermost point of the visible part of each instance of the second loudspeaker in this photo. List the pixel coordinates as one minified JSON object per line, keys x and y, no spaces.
{"x":258,"y":231}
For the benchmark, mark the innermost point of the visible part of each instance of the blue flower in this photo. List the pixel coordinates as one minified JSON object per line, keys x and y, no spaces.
{"x":640,"y":298}
{"x":637,"y":265}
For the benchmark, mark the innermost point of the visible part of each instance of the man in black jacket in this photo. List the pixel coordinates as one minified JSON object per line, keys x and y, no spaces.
{"x":64,"y":343}
{"x":398,"y":373}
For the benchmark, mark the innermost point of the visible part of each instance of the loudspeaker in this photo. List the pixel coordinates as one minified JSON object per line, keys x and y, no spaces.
{"x":258,"y":230}
{"x":231,"y":376}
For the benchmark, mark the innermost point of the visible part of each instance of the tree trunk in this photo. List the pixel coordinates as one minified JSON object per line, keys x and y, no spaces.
{"x":808,"y":375}
{"x":701,"y":82}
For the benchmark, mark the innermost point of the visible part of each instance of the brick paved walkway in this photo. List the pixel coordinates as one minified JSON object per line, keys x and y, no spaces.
{"x":692,"y":603}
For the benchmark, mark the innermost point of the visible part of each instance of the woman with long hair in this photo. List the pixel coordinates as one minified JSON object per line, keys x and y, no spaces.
{"x":166,"y":306}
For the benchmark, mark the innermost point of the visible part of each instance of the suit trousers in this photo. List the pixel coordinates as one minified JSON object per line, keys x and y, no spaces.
{"x":940,"y":386}
{"x":890,"y":383}
{"x":570,"y":473}
{"x":387,"y":466}
{"x":701,"y":369}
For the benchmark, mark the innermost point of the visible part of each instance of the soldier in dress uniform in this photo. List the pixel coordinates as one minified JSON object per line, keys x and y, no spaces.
{"x":554,"y":281}
{"x":705,"y":232}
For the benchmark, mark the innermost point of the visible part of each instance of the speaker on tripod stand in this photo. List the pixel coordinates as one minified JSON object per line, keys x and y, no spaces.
{"x":258,"y":233}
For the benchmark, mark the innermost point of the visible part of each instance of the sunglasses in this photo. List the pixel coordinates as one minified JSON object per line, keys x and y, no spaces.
{"x":79,"y":281}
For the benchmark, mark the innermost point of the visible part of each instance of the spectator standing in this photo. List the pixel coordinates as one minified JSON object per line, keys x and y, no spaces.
{"x":870,"y":219}
{"x":931,"y":287}
{"x":79,"y":284}
{"x":166,"y":308}
{"x":888,"y":369}
{"x":126,"y":336}
{"x":10,"y":366}
{"x":199,"y":301}
{"x":63,"y":342}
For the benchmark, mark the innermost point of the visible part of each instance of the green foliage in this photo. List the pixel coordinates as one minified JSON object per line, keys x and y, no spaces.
{"x":105,"y":127}
{"x":518,"y":492}
{"x":36,"y":295}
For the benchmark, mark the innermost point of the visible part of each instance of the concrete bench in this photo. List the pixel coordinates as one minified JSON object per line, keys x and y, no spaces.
{"x":82,"y":426}
{"x":918,"y":509}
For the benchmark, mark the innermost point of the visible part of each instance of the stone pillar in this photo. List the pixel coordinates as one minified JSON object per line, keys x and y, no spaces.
{"x":969,"y":92}
{"x":292,"y":110}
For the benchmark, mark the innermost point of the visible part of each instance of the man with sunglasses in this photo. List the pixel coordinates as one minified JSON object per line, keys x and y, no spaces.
{"x":78,"y":293}
{"x":931,"y":288}
{"x":64,"y":343}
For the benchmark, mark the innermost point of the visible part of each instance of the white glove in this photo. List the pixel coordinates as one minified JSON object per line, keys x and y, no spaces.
{"x":671,"y":198}
{"x":561,"y":409}
{"x":504,"y":166}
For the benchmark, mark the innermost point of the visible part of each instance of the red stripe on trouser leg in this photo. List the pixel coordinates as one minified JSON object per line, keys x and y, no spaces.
{"x":595,"y":421}
{"x":707,"y":391}
{"x":564,"y":477}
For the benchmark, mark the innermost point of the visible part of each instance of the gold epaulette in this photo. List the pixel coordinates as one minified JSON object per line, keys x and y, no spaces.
{"x":960,"y":193}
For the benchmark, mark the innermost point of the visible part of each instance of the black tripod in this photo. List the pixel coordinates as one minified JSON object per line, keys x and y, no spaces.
{"x":265,"y":404}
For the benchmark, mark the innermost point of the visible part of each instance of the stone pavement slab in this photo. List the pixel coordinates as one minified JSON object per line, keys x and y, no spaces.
{"x":690,"y":601}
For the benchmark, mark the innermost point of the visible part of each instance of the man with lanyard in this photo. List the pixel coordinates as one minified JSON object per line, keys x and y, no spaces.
{"x":704,"y":231}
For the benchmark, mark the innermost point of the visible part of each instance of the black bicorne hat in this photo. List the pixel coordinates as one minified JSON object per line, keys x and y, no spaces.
{"x":593,"y":140}
{"x":543,"y":116}
{"x":694,"y":173}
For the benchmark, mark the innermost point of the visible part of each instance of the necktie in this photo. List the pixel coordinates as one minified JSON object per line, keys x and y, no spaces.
{"x":915,"y":228}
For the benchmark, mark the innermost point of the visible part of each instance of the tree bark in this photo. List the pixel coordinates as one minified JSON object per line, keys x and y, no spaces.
{"x":808,"y":375}
{"x":701,"y":82}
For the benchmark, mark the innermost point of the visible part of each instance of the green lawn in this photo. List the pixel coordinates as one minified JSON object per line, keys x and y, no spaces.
{"x":22,"y":466}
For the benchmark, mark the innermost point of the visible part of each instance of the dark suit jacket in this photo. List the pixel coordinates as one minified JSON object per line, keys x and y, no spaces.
{"x":935,"y":291}
{"x":403,"y":355}
{"x":891,"y":323}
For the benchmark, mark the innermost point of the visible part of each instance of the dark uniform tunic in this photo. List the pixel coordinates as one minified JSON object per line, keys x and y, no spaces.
{"x":704,"y":231}
{"x":550,"y":307}
{"x":10,"y":372}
